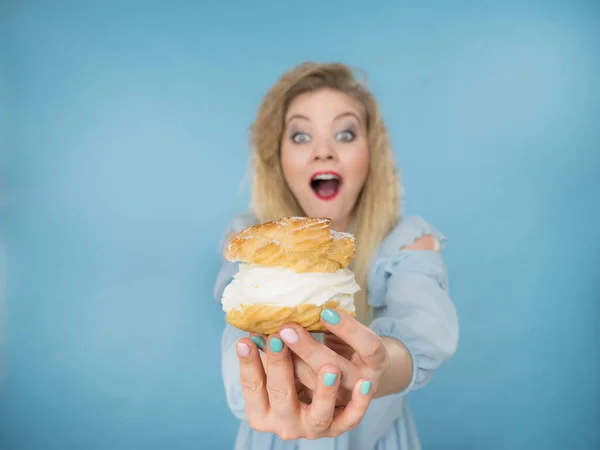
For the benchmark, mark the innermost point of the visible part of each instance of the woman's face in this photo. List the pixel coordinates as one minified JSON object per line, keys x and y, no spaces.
{"x":325,"y":155}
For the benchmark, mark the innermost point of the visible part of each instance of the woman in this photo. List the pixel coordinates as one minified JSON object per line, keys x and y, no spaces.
{"x":320,"y":148}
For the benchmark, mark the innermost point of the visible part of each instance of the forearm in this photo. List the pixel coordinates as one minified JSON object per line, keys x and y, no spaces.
{"x":398,"y":375}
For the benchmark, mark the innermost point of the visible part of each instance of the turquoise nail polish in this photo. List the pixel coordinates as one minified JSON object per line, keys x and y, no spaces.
{"x":329,"y":379}
{"x":365,"y":387}
{"x":258,"y":341}
{"x":330,"y":316}
{"x":275,"y":344}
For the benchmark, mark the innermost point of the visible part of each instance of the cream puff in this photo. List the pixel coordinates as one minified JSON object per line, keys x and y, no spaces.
{"x":289,"y":271}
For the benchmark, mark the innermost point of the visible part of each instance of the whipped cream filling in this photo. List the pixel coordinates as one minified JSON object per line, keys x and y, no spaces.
{"x":283,"y":287}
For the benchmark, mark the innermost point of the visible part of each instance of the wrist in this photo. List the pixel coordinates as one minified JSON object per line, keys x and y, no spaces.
{"x":399,"y":371}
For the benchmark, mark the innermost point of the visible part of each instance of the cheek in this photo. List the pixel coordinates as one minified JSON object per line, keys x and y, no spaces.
{"x":357,"y":166}
{"x":291,"y":166}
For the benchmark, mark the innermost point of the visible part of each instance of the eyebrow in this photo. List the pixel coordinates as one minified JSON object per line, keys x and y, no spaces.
{"x":338,"y":117}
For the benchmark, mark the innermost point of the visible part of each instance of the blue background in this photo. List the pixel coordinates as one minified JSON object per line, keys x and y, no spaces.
{"x":124,"y":147}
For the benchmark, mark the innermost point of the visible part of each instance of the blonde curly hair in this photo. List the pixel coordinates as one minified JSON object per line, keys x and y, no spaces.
{"x":377,"y":210}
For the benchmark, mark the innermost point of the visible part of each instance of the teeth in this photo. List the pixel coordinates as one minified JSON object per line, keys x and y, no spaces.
{"x":325,"y":176}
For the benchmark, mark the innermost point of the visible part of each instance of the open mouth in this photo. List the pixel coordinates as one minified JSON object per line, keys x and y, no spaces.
{"x":326,"y":185}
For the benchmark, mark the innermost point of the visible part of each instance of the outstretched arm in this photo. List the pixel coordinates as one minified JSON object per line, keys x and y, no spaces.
{"x":414,"y":334}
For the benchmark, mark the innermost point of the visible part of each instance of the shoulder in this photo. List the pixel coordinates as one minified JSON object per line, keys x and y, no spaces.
{"x":411,"y":251}
{"x":412,"y":233}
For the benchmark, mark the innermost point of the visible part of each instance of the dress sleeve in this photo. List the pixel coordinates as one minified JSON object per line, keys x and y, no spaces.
{"x":230,"y":367}
{"x":408,"y":290}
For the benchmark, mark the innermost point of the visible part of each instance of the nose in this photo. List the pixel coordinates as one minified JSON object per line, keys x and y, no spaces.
{"x":324,"y":151}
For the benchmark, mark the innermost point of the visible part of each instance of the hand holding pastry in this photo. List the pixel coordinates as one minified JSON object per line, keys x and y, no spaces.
{"x":306,"y":379}
{"x":293,"y":271}
{"x":272,"y":404}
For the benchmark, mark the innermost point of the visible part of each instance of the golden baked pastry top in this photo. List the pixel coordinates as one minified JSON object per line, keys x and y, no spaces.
{"x":302,"y":244}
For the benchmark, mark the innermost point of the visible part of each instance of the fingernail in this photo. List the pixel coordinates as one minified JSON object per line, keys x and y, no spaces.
{"x":330,"y":316}
{"x":243,"y":349}
{"x":289,"y":336}
{"x":275,"y":344}
{"x":329,"y":379}
{"x":260,"y":343}
{"x":365,"y":387}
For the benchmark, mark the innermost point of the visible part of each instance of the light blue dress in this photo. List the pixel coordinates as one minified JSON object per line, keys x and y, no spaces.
{"x":408,"y":290}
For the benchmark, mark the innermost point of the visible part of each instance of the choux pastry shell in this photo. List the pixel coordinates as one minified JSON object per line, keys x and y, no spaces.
{"x":295,"y":256}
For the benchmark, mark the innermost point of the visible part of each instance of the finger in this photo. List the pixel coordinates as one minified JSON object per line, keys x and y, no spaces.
{"x":259,"y":340}
{"x":304,"y":373}
{"x":342,"y":398}
{"x":252,"y":379}
{"x":349,"y":417}
{"x":281,"y":387}
{"x":365,"y":342}
{"x":315,"y":354}
{"x":319,"y":414}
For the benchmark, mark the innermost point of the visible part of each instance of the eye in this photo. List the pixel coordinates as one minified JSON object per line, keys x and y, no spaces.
{"x":300,"y":138}
{"x":346,"y":135}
